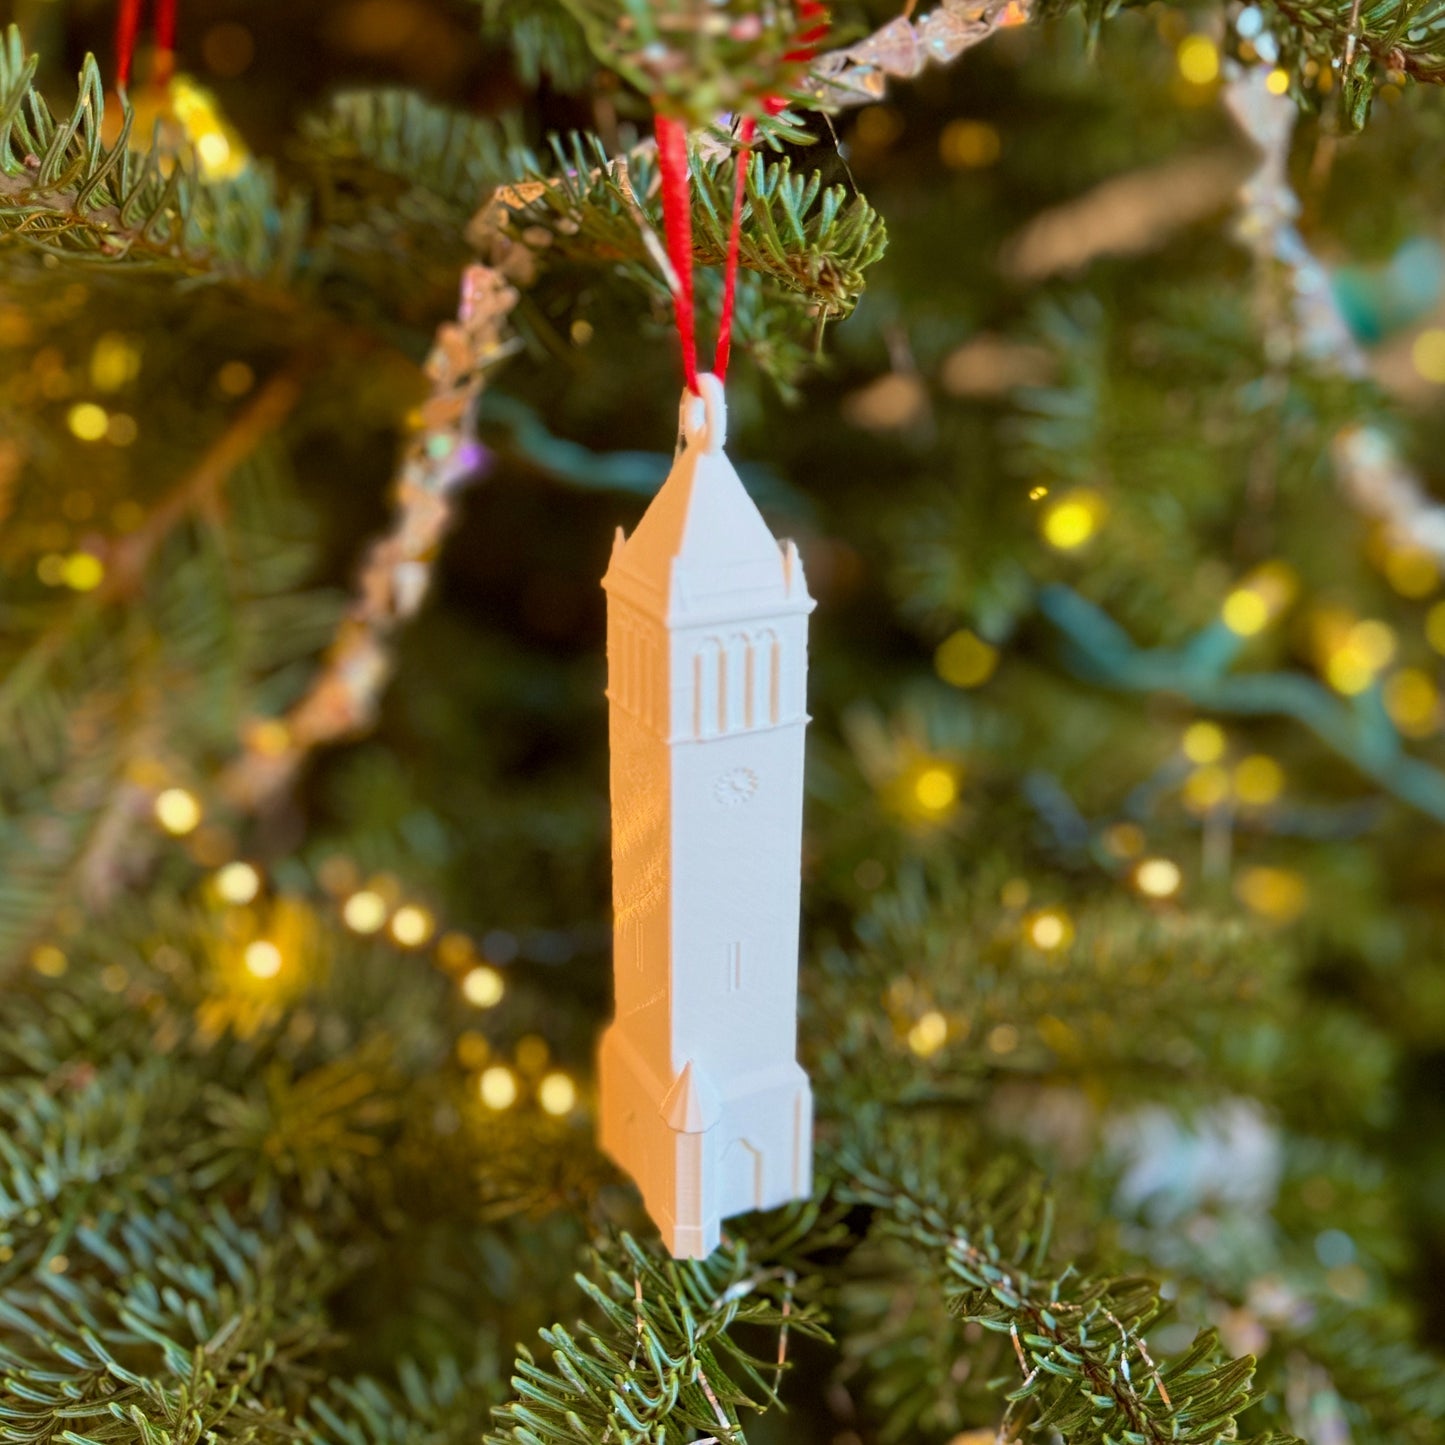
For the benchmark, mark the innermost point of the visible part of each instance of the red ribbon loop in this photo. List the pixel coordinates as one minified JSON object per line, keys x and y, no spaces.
{"x":677,"y":210}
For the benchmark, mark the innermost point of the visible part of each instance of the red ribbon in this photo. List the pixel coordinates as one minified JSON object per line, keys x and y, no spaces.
{"x":127,"y":23}
{"x":165,"y":42}
{"x":127,"y":27}
{"x":677,"y":227}
{"x":677,"y":209}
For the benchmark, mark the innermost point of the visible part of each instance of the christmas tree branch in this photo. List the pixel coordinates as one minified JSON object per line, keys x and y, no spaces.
{"x":130,"y":556}
{"x":64,"y":190}
{"x":663,"y":1359}
{"x":371,"y":137}
{"x":1400,"y":35}
{"x":813,"y":242}
{"x":1086,"y":1371}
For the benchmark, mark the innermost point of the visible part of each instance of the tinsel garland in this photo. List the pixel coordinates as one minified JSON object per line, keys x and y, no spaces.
{"x":1371,"y":472}
{"x":441,"y":455}
{"x":859,"y":74}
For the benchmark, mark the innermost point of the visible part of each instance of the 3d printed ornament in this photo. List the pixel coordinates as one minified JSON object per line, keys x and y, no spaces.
{"x":703,"y":1101}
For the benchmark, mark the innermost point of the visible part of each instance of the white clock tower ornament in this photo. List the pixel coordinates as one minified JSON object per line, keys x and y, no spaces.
{"x":702,"y":1098}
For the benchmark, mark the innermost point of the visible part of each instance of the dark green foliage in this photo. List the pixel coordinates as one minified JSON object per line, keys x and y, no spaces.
{"x":813,"y":242}
{"x":544,"y":39}
{"x":1079,"y":1342}
{"x":1095,"y":1165}
{"x":162,"y":676}
{"x":64,"y":189}
{"x":665,"y":1358}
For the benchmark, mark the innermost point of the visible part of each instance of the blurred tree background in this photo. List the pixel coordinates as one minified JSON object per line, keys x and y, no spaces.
{"x":1115,"y":475}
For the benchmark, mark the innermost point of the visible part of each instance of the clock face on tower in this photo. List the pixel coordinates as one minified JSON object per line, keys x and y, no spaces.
{"x":735,"y":786}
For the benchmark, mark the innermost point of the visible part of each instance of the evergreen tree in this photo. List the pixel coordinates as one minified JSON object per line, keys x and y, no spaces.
{"x":1095,"y":357}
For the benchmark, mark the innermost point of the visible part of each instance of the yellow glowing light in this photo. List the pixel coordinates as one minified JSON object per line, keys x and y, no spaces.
{"x":49,"y":961}
{"x":219,"y":148}
{"x":1198,"y":60}
{"x":1050,"y":929}
{"x":965,"y":659}
{"x":1366,"y":648}
{"x":411,"y":926}
{"x":1072,"y":520}
{"x":498,"y":1087}
{"x":1278,"y":894}
{"x":1348,"y":672}
{"x":936,"y":789}
{"x":1038,"y":493}
{"x":557,"y":1094}
{"x":969,"y":144}
{"x":83,"y":572}
{"x":214,"y":151}
{"x":581,"y":332}
{"x":1428,"y":354}
{"x":1435,"y":627}
{"x":178,"y":811}
{"x":1206,"y":788}
{"x":1158,"y":878}
{"x":1413,"y":702}
{"x":1374,"y":641}
{"x":1258,"y":780}
{"x":113,"y":361}
{"x":1245,"y":611}
{"x":263,"y":959}
{"x":1411,"y":571}
{"x":1203,"y":742}
{"x":1277,"y":81}
{"x":482,"y":987}
{"x":87,"y":421}
{"x":364,"y":911}
{"x":929,"y":1034}
{"x":238,"y":882}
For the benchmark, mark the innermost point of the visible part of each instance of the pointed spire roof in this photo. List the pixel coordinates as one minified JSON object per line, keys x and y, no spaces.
{"x":702,"y":549}
{"x":702,"y":518}
{"x":692,"y":1105}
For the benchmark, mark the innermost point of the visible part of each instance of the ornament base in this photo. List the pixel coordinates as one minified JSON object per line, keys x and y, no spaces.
{"x":700,"y":1155}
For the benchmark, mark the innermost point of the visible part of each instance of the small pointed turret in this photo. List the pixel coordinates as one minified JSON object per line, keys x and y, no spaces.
{"x":692,"y":1105}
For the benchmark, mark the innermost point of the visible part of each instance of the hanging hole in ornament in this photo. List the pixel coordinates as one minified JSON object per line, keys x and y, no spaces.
{"x":705,"y":414}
